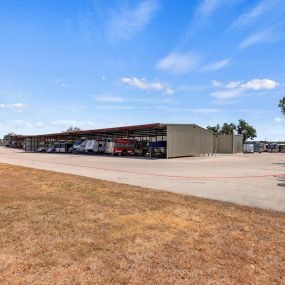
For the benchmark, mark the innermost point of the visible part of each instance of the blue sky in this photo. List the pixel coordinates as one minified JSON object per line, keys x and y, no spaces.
{"x":107,"y":63}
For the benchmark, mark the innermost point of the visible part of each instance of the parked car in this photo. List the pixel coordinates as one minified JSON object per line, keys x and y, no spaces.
{"x":60,"y":147}
{"x":42,"y":148}
{"x":51,"y":148}
{"x":8,"y":144}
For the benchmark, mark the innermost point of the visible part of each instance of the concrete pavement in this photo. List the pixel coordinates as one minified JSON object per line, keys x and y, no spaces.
{"x":256,"y":180}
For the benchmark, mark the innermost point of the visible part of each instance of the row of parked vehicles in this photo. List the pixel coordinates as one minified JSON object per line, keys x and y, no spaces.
{"x":116,"y":146}
{"x":262,"y":147}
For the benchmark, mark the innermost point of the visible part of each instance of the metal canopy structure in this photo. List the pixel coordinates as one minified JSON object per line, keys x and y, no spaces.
{"x":179,"y":139}
{"x":137,"y":131}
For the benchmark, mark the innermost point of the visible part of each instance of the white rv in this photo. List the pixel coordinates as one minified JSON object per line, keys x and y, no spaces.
{"x":248,"y":148}
{"x":81,"y":147}
{"x":99,"y":146}
{"x":95,"y":146}
{"x":89,"y":145}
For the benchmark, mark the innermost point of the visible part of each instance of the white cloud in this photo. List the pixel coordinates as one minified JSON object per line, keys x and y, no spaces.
{"x":259,"y":84}
{"x":233,"y":84}
{"x":179,"y":63}
{"x":255,"y":13}
{"x":64,"y":123}
{"x":266,"y":19}
{"x":126,"y":22}
{"x":216,"y":83}
{"x":207,"y":7}
{"x":109,"y":99}
{"x":169,"y":91}
{"x":227,"y":94}
{"x":60,"y":82}
{"x":39,"y":124}
{"x":17,"y":107}
{"x":144,"y":85}
{"x":204,"y":11}
{"x":217,"y":65}
{"x":236,"y":88}
{"x":108,"y":107}
{"x":277,"y":120}
{"x":23,"y":123}
{"x":259,"y":37}
{"x":68,"y":123}
{"x":254,"y":84}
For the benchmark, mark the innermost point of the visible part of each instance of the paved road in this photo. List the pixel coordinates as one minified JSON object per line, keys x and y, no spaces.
{"x":256,"y":180}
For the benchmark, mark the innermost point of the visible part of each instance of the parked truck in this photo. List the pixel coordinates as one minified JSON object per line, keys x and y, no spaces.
{"x":122,"y":147}
{"x":157,"y":149}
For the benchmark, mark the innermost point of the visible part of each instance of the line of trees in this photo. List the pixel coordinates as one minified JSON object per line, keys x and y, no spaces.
{"x":73,"y":129}
{"x":242,"y":128}
{"x":282,"y":105}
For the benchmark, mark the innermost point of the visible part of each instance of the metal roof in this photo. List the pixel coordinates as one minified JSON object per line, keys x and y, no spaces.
{"x":136,"y":130}
{"x":155,"y":129}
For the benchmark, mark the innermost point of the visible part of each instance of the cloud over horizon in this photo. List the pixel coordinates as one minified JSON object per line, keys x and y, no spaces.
{"x":141,"y":83}
{"x":17,"y":107}
{"x":236,"y":88}
{"x":126,"y":22}
{"x":178,"y":63}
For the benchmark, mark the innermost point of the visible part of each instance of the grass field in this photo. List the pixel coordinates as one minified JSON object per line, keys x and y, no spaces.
{"x":64,"y":229}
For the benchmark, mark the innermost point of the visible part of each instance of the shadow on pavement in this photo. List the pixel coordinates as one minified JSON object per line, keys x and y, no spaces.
{"x":281,"y":181}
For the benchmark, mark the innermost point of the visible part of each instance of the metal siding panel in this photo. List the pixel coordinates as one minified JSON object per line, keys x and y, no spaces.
{"x":225,"y":144}
{"x":188,"y":140}
{"x":237,"y":143}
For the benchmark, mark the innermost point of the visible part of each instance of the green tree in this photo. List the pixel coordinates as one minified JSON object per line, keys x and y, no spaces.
{"x":73,"y":129}
{"x":9,"y":135}
{"x":282,"y":105}
{"x":228,"y":129}
{"x":246,"y":130}
{"x":215,"y":129}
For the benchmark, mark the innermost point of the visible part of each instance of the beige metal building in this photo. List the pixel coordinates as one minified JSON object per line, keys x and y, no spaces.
{"x":188,"y":140}
{"x":228,"y":143}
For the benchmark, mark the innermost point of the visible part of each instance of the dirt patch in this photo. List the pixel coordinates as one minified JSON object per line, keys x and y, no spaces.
{"x":63,"y":229}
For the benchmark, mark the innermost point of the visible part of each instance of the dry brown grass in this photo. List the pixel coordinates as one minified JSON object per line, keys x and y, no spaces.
{"x":64,"y":229}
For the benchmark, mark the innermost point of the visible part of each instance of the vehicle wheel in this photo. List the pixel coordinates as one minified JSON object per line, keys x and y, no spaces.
{"x":124,"y":152}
